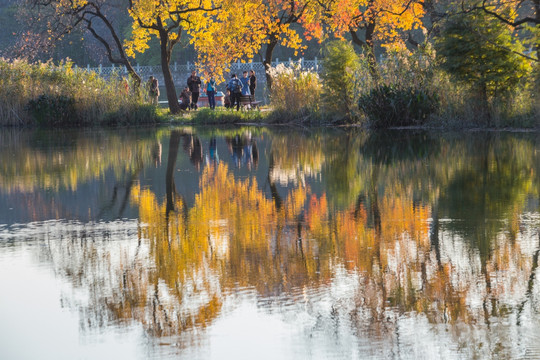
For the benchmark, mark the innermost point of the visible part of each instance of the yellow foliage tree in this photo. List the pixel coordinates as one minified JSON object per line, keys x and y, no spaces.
{"x":166,"y":19}
{"x":241,"y":28}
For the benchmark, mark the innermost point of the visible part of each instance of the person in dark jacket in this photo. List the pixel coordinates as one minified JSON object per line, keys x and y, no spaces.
{"x":252,"y":84}
{"x":194,"y":84}
{"x":235,"y":87}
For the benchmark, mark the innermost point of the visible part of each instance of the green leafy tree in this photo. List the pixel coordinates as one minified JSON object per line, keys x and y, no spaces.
{"x":341,"y":73}
{"x":480,"y":51}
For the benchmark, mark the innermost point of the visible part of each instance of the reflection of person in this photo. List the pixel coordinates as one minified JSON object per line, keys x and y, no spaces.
{"x":194,"y":83}
{"x":252,"y":84}
{"x":185,"y":96}
{"x":156,"y":154}
{"x":192,"y":146}
{"x":213,"y":157}
{"x":211,"y":92}
{"x":154,"y":92}
{"x":243,"y":150}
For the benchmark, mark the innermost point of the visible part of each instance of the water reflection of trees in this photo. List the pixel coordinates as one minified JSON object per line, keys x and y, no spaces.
{"x":32,"y":160}
{"x":443,"y":235}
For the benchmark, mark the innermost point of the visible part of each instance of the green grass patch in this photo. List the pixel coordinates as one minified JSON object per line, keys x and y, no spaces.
{"x":221,"y":116}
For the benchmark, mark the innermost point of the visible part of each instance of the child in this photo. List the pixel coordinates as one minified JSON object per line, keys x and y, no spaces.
{"x":227,"y":99}
{"x":185,"y":97}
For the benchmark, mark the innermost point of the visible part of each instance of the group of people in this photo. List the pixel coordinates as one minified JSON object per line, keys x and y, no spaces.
{"x":236,"y":87}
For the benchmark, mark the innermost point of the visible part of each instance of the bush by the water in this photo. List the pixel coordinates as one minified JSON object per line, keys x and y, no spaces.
{"x":52,"y":110}
{"x":387,"y":106}
{"x":344,"y":74}
{"x":48,"y":94}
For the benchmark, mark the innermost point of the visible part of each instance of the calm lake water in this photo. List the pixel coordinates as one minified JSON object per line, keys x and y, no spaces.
{"x":256,"y":243}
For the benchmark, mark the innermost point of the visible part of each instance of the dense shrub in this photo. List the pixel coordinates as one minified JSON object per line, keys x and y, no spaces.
{"x":52,"y":110}
{"x":342,"y":77}
{"x":387,"y":106}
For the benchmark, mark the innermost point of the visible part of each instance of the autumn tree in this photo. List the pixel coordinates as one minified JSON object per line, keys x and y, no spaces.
{"x":65,"y":16}
{"x":166,"y":20}
{"x":368,"y":21}
{"x":226,"y":37}
{"x":277,"y":18}
{"x":243,"y":28}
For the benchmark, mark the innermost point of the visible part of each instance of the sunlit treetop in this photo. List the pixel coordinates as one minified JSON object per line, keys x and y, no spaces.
{"x":384,"y":20}
{"x":241,"y":28}
{"x":166,"y":18}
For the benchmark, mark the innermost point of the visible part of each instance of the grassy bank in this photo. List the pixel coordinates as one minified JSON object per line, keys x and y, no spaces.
{"x":411,"y":90}
{"x":45,"y":94}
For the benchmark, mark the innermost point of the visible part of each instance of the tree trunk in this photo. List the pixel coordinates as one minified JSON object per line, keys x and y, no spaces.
{"x":369,"y":47}
{"x":372,"y":60}
{"x":485,"y":103}
{"x":170,"y":89}
{"x":537,"y":13}
{"x":268,"y":61}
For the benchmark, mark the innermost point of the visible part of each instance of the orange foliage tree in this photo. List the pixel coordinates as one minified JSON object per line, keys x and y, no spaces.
{"x":367,"y":21}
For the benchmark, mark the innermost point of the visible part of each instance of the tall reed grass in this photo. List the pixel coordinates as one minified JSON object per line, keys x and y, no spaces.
{"x":296,"y":94}
{"x":91,"y":99}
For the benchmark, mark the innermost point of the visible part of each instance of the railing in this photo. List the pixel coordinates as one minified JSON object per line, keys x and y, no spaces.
{"x":181,"y":72}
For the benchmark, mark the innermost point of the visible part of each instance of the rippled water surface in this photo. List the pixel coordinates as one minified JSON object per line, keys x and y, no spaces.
{"x":254,"y":243}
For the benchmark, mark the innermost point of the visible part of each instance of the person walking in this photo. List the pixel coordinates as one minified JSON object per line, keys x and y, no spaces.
{"x":235,"y":87}
{"x":194,"y":83}
{"x":211,"y":92}
{"x":252,"y":84}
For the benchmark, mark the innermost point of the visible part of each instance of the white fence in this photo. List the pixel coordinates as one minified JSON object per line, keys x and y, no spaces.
{"x":181,"y":72}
